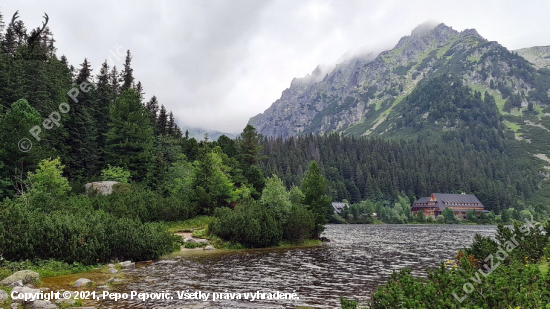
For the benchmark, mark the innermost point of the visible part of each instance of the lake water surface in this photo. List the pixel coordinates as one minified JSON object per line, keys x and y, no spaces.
{"x":353,"y":264}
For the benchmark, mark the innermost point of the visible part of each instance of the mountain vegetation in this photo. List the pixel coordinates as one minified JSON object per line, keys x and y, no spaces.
{"x":443,"y":111}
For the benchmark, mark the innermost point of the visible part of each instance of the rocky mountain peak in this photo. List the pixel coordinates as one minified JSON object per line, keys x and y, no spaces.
{"x":471,"y":32}
{"x":427,"y":33}
{"x":361,"y":95}
{"x":424,"y":27}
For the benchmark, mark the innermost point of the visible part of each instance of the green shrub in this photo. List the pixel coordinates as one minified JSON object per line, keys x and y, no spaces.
{"x":115,"y":173}
{"x":122,"y":188}
{"x":46,"y":268}
{"x":83,"y":236}
{"x":516,"y":279}
{"x":46,"y":186}
{"x":145,"y":205}
{"x":250,"y":224}
{"x":300,"y":224}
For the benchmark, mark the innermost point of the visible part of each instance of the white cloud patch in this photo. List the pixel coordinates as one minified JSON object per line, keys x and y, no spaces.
{"x":217,"y":63}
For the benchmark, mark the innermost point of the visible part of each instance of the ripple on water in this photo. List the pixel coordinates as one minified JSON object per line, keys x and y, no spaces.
{"x":358,"y":258}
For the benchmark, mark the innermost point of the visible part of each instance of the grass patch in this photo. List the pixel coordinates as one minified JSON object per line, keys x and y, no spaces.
{"x":189,"y":225}
{"x":539,"y":111}
{"x":219,"y":243}
{"x":472,"y":58}
{"x":193,"y":245}
{"x":303,"y":243}
{"x":46,"y":268}
{"x":512,"y":126}
{"x":105,"y":268}
{"x":498,"y":99}
{"x":543,"y":265}
{"x":203,"y":233}
{"x":443,"y":50}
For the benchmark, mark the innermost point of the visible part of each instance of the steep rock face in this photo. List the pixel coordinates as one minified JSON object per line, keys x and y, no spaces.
{"x":539,"y":56}
{"x":357,"y":96}
{"x":344,"y":95}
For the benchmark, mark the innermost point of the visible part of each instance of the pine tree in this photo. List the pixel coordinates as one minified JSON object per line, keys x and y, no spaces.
{"x":315,"y":198}
{"x":153,"y":109}
{"x":17,"y":156}
{"x":162,"y":122}
{"x":9,"y":42}
{"x":113,"y":80}
{"x":139,"y":89}
{"x":249,"y":146}
{"x":129,"y":141}
{"x":213,"y":188}
{"x":171,"y":125}
{"x":82,"y":159}
{"x":2,"y":25}
{"x":20,"y":33}
{"x":127,"y":74}
{"x":103,"y":98}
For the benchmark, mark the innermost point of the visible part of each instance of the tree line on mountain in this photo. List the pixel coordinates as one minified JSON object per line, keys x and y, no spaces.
{"x":370,"y":212}
{"x":445,"y":137}
{"x":361,"y":168}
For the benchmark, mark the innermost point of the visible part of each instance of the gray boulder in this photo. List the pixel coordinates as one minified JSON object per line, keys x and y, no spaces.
{"x":81,"y":282}
{"x":127,"y":264}
{"x":42,"y":304}
{"x":113,"y":271}
{"x":3,"y":295}
{"x":14,"y":306}
{"x":101,"y":187}
{"x":22,"y":290}
{"x":209,"y":248}
{"x":16,"y":283}
{"x":65,"y":301}
{"x":25,"y":276}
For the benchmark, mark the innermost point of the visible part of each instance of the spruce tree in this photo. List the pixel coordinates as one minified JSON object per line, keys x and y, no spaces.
{"x":249,"y":146}
{"x":213,"y":187}
{"x":314,"y":189}
{"x":127,"y":74}
{"x":139,"y":89}
{"x":129,"y":141}
{"x":9,"y":42}
{"x":114,"y":83}
{"x":162,"y":122}
{"x":250,"y":154}
{"x":103,"y":98}
{"x":153,"y":109}
{"x":17,"y":156}
{"x":171,"y":130}
{"x":82,"y":159}
{"x":2,"y":25}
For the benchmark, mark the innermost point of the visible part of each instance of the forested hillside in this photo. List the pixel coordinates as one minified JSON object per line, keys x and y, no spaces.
{"x":359,"y":168}
{"x":93,"y":116}
{"x":62,"y":127}
{"x":449,"y":112}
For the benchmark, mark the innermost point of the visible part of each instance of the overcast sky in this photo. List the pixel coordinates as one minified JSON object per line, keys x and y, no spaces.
{"x":217,"y":63}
